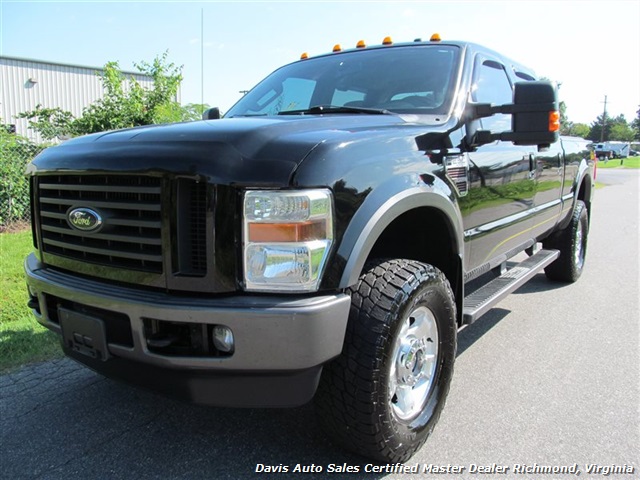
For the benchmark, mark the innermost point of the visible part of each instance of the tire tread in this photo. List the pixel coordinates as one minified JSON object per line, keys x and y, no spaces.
{"x":348,"y":390}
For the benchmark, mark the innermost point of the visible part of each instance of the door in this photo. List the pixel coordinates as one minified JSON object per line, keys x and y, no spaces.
{"x":549,"y":177}
{"x":502,"y":185}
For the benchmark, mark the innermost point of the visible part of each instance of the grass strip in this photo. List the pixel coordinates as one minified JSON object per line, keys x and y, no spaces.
{"x":22,"y":339}
{"x":631,"y":162}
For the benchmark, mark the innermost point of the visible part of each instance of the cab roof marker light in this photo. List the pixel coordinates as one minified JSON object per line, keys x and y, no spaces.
{"x":337,"y":48}
{"x":361,"y":44}
{"x":435,"y":38}
{"x":387,"y":41}
{"x":304,"y":56}
{"x":417,"y":40}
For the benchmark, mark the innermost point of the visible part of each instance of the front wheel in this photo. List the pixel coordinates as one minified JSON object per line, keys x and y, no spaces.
{"x":572,"y":243}
{"x":384,"y":394}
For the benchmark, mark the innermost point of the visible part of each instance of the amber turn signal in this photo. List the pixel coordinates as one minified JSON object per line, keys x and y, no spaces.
{"x":286,"y":232}
{"x":554,"y":121}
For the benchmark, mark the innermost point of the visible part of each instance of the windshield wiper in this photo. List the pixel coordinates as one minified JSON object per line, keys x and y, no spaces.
{"x":319,"y":109}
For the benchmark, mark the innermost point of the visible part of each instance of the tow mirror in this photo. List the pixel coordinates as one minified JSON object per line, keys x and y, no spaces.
{"x":535,"y":117}
{"x":211,"y":114}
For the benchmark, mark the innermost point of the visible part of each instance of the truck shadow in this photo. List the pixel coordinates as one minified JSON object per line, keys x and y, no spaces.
{"x":474,"y":332}
{"x":540,"y":283}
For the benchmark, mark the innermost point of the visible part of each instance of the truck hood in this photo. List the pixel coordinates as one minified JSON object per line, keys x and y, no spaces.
{"x":256,"y":151}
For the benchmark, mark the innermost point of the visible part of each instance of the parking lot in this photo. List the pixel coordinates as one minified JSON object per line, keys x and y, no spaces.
{"x":550,"y":378}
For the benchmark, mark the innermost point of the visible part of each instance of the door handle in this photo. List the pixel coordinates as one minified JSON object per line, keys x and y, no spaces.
{"x":532,"y":165}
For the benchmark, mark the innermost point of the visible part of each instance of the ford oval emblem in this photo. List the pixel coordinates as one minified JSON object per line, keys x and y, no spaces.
{"x":84,"y":219}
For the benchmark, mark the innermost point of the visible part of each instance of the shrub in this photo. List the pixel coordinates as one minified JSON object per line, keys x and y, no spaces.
{"x":15,"y":153}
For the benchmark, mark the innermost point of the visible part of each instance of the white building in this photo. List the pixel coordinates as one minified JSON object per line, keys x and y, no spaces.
{"x":25,"y":83}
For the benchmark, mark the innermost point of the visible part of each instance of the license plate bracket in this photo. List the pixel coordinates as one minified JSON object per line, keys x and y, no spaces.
{"x":84,"y":334}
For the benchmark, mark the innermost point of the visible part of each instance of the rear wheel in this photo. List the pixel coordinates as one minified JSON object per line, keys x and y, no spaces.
{"x":572,"y":243}
{"x":384,"y":394}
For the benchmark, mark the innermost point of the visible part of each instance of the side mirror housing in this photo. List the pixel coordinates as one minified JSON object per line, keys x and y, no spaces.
{"x":211,"y":114}
{"x":535,"y":116}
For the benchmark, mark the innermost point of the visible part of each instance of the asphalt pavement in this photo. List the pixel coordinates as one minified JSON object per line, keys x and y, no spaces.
{"x":548,"y":379}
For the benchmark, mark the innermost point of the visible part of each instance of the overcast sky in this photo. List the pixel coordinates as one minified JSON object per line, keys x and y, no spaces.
{"x":591,"y":47}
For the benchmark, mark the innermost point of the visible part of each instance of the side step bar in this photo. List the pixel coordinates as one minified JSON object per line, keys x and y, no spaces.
{"x":485,"y":298}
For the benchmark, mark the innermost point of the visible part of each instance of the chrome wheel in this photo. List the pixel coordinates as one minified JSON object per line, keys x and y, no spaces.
{"x":571,"y":241}
{"x":413,"y":363}
{"x":579,"y":248}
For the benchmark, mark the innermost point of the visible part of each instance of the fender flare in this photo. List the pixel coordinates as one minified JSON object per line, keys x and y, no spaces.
{"x":585,"y":171}
{"x":584,"y":176}
{"x":381,"y":208}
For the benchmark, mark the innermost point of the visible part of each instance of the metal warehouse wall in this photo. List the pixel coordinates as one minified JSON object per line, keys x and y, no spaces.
{"x":25,"y":83}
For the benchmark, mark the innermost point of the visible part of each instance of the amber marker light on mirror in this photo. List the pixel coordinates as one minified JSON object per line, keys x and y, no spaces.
{"x":554,"y":121}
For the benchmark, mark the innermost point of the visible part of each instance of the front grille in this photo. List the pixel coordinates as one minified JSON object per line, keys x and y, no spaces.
{"x":198,"y":230}
{"x":191,"y":248}
{"x":130,"y":206}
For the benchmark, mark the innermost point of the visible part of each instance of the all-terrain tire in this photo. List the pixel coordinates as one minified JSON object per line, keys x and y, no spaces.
{"x":382,"y":397}
{"x":572,"y":243}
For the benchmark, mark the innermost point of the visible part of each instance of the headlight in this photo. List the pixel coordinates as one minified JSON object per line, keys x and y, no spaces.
{"x":287,"y":238}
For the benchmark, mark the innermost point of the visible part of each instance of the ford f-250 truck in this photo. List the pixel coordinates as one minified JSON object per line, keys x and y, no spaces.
{"x":316,"y":241}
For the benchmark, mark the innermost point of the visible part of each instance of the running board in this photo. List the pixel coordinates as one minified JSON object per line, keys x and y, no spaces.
{"x":485,"y":298}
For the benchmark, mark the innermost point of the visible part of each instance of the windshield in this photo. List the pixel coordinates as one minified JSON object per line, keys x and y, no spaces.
{"x":409,"y":79}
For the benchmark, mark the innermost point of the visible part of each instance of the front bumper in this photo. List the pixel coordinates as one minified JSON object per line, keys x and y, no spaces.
{"x":281,"y":342}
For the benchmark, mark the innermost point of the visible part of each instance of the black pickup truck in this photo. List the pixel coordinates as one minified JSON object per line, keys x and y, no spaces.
{"x":316,"y":241}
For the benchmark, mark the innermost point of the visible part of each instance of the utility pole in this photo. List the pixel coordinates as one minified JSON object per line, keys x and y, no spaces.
{"x":202,"y":60}
{"x":604,"y":120}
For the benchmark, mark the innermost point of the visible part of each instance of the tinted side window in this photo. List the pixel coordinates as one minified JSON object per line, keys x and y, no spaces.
{"x":492,"y":86}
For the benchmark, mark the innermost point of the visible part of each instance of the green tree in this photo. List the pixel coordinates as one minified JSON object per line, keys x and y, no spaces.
{"x":172,"y":113}
{"x":566,"y":125}
{"x":635,"y":125}
{"x":49,"y":122}
{"x":621,"y":132}
{"x":580,"y":130}
{"x":120,"y":107}
{"x":617,"y":129}
{"x":595,"y":131}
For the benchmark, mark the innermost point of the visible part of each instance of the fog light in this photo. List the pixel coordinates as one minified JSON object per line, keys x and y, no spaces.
{"x":223,"y":339}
